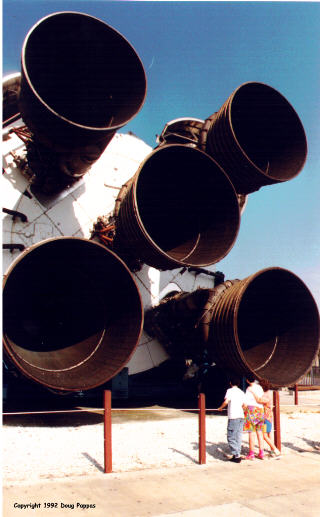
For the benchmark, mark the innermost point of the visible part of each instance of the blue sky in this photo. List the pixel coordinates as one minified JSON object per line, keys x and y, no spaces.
{"x":195,"y":54}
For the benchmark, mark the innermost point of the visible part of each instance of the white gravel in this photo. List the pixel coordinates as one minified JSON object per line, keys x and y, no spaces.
{"x":32,"y":454}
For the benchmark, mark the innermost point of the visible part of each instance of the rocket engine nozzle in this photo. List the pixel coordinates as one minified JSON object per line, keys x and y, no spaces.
{"x":72,"y":314}
{"x":266,"y":324}
{"x":81,"y":82}
{"x":257,"y":137}
{"x":180,"y":209}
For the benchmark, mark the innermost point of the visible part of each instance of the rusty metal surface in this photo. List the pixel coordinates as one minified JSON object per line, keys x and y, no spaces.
{"x":180,"y":323}
{"x":276,"y":420}
{"x":72,"y":314}
{"x":81,"y":81}
{"x":266,"y":324}
{"x":202,"y":428}
{"x":107,"y":431}
{"x":179,"y":209}
{"x":257,"y":137}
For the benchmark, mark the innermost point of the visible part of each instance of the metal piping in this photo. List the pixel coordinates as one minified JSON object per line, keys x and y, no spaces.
{"x":10,"y":96}
{"x":81,"y":82}
{"x":181,"y":131}
{"x":266,"y":324}
{"x":72,"y":314}
{"x":180,"y":209}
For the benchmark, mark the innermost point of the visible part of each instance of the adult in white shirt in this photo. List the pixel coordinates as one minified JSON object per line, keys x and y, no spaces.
{"x":234,"y":399}
{"x":254,"y":417}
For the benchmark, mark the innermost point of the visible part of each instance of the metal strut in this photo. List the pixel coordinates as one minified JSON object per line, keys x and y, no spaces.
{"x":218,"y":275}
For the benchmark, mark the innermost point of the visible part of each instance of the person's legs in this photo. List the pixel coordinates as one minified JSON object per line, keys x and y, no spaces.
{"x":251,"y":446}
{"x":268,"y":441}
{"x":232,"y":436}
{"x":251,"y":441}
{"x":267,"y":438}
{"x":260,"y":439}
{"x":239,"y":433}
{"x":260,"y":442}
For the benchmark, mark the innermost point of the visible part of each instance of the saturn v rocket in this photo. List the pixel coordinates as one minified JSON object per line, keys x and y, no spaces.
{"x":135,"y":284}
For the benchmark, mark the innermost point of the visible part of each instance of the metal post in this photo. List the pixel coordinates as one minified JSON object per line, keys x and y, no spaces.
{"x":276,"y":420}
{"x":296,"y":394}
{"x":107,"y":432}
{"x":202,"y":428}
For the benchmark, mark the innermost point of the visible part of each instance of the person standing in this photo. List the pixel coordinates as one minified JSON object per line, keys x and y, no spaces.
{"x":254,"y":417}
{"x":266,"y":400}
{"x":234,"y":399}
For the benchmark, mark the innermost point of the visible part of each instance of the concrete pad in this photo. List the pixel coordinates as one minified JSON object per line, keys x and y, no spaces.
{"x":222,"y":510}
{"x":289,"y":487}
{"x":303,"y":503}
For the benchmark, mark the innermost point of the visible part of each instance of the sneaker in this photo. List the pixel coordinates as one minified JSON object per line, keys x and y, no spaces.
{"x":261,"y":455}
{"x":250,"y":456}
{"x":235,"y":459}
{"x":275,"y":453}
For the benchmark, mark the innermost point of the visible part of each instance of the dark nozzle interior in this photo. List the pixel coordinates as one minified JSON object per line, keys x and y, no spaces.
{"x":84,"y":70}
{"x":268,"y":130}
{"x":278,"y":326}
{"x":187,"y":205}
{"x":66,"y":304}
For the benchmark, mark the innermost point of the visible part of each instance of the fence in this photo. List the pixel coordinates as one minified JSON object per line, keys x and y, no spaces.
{"x":201,"y":424}
{"x":312,"y":378}
{"x":108,"y":430}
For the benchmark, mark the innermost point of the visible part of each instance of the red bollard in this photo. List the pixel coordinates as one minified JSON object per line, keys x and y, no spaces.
{"x":202,"y":428}
{"x":296,"y":394}
{"x":276,"y":420}
{"x":107,"y":432}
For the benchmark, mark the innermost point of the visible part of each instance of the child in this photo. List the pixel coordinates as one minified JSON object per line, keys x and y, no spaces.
{"x":254,"y":417}
{"x":234,"y":398}
{"x":266,"y":400}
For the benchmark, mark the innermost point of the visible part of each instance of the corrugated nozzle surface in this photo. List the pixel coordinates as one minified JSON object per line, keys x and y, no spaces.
{"x":180,"y":210}
{"x":257,"y":137}
{"x":72,"y":314}
{"x":267,"y":324}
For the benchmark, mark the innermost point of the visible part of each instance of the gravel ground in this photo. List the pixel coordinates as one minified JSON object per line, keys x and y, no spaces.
{"x":73,"y":446}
